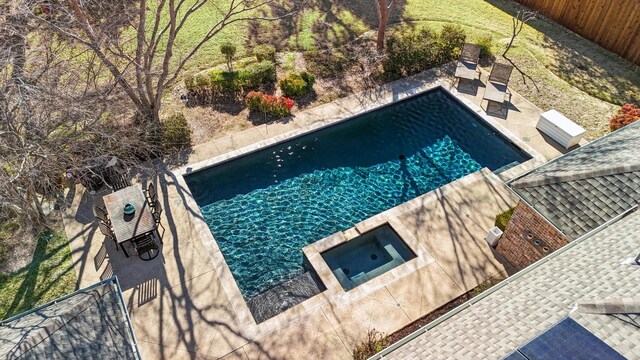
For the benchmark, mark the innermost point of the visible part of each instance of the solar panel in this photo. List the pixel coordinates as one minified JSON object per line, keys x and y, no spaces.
{"x":516,"y":355}
{"x":566,"y":340}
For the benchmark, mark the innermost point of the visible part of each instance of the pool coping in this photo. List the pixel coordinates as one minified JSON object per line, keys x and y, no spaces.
{"x":241,"y":309}
{"x":335,"y":291}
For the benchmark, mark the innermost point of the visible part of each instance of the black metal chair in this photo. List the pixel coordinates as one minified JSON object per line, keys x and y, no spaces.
{"x":101,"y":214}
{"x":106,"y":231}
{"x":152,"y":194}
{"x":146,"y":247}
{"x":120,"y":181}
{"x":157,"y":212}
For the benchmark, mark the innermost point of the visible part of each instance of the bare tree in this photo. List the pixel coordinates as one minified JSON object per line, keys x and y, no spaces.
{"x":522,"y":17}
{"x":140,"y":55}
{"x":55,"y":113}
{"x":384,"y":11}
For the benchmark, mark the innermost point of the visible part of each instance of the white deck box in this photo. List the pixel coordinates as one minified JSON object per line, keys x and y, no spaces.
{"x":564,"y":131}
{"x":493,"y":236}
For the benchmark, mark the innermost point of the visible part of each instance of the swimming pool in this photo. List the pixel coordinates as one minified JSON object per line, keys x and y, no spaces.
{"x":264,"y":207}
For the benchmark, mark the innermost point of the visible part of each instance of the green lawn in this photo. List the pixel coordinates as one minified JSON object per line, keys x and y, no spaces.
{"x":49,"y":276}
{"x":560,"y":70}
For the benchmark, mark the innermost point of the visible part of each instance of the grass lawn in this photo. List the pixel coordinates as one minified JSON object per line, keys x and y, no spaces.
{"x":559,"y":69}
{"x":49,"y":276}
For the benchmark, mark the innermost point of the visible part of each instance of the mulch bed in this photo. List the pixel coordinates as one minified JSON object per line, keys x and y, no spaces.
{"x":396,"y":336}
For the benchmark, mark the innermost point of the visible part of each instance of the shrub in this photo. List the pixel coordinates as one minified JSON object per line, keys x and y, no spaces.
{"x":269,"y":104}
{"x":308,"y":78}
{"x":198,"y":86}
{"x":176,"y":133}
{"x":190,"y":82}
{"x":409,"y":52}
{"x":196,"y":83}
{"x":327,"y":63}
{"x":486,"y":46}
{"x":373,"y":343}
{"x":450,"y":42}
{"x":627,"y":114}
{"x":224,"y":82}
{"x":503,"y":218}
{"x":265,"y":52}
{"x":254,"y":100}
{"x":228,"y":49}
{"x":257,"y":74}
{"x":297,"y":84}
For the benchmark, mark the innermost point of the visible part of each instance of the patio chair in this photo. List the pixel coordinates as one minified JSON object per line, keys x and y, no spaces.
{"x":120,"y":182}
{"x":101,"y":214}
{"x":467,"y":67}
{"x":152,"y":194}
{"x":497,"y":84}
{"x":157,"y":211}
{"x":146,"y":247}
{"x":107,"y":232}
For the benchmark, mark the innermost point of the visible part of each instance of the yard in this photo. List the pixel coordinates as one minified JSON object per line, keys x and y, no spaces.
{"x":47,"y":276}
{"x":558,"y":69}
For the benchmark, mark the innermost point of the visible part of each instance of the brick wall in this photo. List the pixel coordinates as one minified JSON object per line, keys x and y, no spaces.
{"x":528,"y":237}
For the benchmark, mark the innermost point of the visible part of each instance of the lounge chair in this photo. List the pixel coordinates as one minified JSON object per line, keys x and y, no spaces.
{"x":468,"y":62}
{"x":497,"y":90}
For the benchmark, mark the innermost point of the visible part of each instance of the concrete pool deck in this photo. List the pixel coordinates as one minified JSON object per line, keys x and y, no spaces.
{"x":178,"y":302}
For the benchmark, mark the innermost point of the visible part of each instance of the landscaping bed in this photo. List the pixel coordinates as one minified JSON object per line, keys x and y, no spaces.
{"x":558,"y":69}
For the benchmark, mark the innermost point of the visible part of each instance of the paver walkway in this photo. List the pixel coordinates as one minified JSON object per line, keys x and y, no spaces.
{"x":180,"y":310}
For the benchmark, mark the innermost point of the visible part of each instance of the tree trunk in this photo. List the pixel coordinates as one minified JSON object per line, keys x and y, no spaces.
{"x":382,"y":29}
{"x":384,"y":11}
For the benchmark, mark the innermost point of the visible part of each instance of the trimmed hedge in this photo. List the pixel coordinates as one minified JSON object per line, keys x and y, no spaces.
{"x":224,"y":82}
{"x":219,"y":82}
{"x":255,"y":75}
{"x":297,"y":84}
{"x":410,"y":51}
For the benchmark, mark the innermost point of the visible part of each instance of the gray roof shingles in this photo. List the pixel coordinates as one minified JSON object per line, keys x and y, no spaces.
{"x":90,"y":323}
{"x":588,"y":186}
{"x":531,"y":303}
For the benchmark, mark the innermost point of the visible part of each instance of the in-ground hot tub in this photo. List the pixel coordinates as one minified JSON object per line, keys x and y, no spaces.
{"x":367,"y":256}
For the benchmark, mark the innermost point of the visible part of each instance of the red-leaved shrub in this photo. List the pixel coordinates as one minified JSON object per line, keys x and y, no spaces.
{"x":628,"y":113}
{"x":277,"y":106}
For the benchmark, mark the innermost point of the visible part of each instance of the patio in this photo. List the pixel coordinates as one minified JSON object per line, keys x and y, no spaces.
{"x":179,"y":306}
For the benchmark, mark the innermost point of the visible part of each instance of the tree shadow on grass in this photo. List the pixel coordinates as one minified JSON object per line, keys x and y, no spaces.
{"x":40,"y":276}
{"x":583,"y":63}
{"x":324,"y":23}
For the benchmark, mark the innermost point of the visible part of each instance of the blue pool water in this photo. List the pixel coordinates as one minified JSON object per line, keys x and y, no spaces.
{"x":263,"y":208}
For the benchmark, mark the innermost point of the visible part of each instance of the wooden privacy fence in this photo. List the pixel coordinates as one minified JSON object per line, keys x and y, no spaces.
{"x":614,"y":24}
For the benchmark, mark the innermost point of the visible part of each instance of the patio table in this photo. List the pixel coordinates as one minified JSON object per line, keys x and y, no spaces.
{"x":129,"y":227}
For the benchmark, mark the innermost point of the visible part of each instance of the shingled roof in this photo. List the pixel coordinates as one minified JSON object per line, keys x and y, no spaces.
{"x":91,"y":323}
{"x":596,"y":269}
{"x":588,"y":186}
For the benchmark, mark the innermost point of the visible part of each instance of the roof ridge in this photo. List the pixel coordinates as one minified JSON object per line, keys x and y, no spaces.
{"x":610,"y":305}
{"x":543,"y":179}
